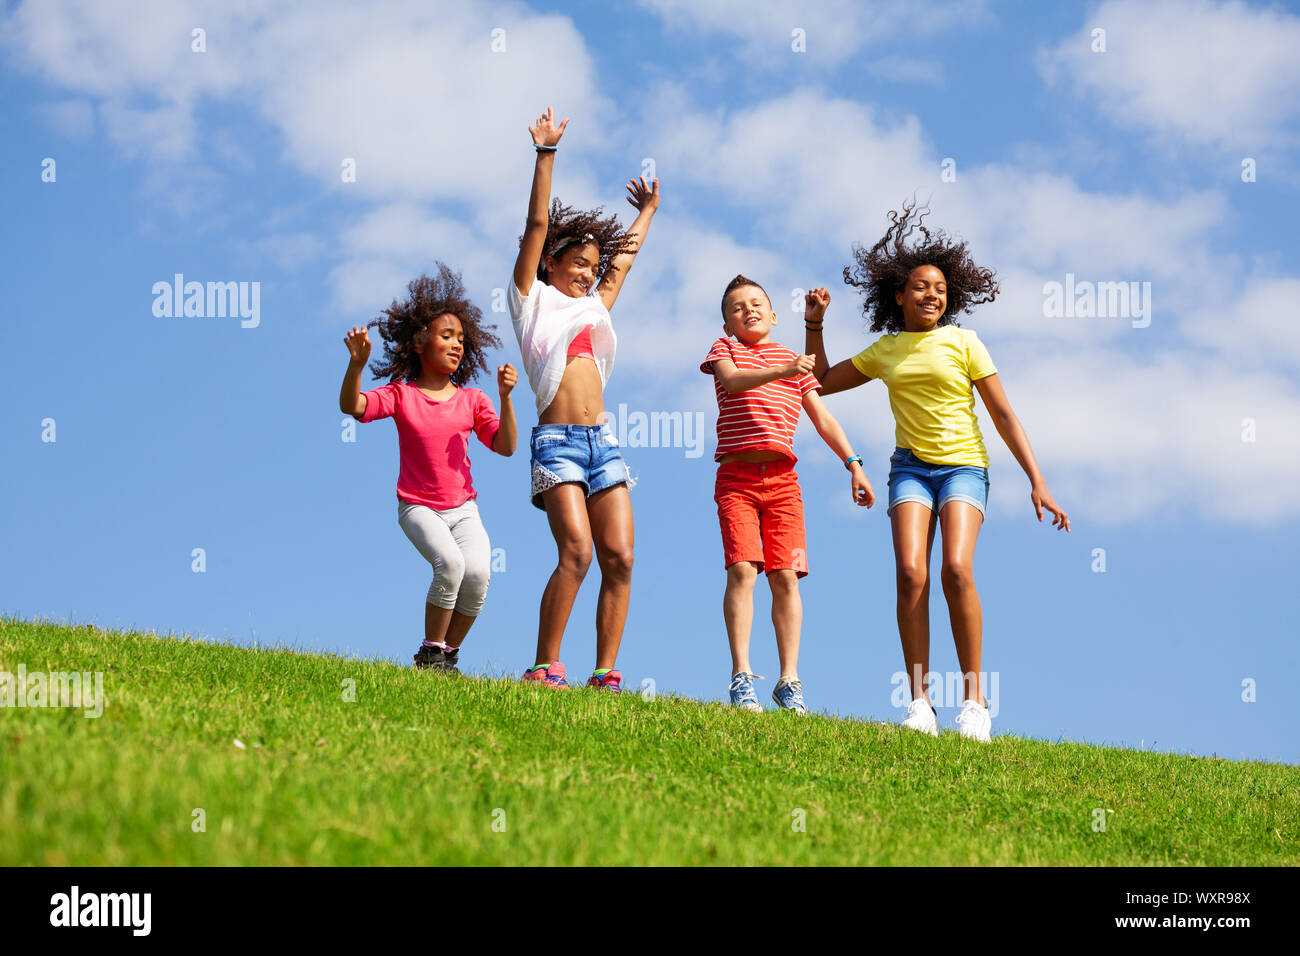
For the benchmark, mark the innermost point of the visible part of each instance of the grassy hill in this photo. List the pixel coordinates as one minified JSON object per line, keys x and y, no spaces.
{"x":429,"y":769}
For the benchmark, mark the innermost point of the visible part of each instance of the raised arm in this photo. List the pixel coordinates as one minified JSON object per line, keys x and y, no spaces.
{"x":842,"y":376}
{"x":644,"y":199}
{"x":1009,"y":427}
{"x":351,"y":401}
{"x":734,"y":380}
{"x":545,"y":135}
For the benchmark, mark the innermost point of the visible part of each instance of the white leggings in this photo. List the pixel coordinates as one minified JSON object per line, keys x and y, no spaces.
{"x":457,"y":546}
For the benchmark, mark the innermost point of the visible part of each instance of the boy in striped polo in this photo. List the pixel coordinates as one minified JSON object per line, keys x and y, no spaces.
{"x":761,"y":386}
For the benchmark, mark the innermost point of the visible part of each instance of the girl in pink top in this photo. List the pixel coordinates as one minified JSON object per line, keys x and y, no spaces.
{"x":434,"y":343}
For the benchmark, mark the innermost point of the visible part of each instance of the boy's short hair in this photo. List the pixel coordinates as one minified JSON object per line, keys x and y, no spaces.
{"x":737,"y":283}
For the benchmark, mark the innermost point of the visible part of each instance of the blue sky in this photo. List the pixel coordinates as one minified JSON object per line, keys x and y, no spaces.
{"x":1122,"y":165}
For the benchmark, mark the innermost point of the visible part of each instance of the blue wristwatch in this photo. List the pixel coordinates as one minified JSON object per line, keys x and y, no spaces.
{"x":848,"y":462}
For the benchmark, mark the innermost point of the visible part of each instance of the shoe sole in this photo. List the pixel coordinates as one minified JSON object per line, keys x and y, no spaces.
{"x":802,"y":711}
{"x":932,"y":731}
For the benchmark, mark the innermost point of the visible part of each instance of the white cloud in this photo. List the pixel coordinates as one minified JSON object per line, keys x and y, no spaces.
{"x":833,"y":29}
{"x":1126,"y":422}
{"x":1224,"y":75}
{"x":413,"y":93}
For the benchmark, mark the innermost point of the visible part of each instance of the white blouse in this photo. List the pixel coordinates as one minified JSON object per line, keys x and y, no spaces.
{"x":546,"y":322}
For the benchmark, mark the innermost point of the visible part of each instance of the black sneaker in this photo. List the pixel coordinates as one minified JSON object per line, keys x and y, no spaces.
{"x":436,"y":659}
{"x":429,"y":658}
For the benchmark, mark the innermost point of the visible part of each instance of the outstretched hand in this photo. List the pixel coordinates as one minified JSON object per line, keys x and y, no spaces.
{"x":643,"y":196}
{"x":1042,"y":499}
{"x":546,"y":133}
{"x":358,"y":343}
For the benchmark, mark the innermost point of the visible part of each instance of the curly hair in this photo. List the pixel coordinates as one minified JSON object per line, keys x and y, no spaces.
{"x":405,"y":329}
{"x":738,"y":283}
{"x":568,"y":226}
{"x":881,"y":272}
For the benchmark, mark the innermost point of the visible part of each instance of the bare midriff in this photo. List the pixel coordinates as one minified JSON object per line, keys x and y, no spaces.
{"x":580,"y":399}
{"x":753,"y":456}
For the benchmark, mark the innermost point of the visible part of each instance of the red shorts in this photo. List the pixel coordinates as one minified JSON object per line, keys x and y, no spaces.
{"x":760,"y":510}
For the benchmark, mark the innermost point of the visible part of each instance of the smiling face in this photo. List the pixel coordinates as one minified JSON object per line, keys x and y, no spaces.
{"x":445,"y":347}
{"x":574,"y":272}
{"x":747,"y":314}
{"x":924,"y":299}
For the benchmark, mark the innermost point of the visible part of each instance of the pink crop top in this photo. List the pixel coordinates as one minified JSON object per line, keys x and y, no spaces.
{"x":580,"y":347}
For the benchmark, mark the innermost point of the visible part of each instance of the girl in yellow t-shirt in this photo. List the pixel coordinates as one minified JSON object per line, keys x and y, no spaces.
{"x":939,"y":471}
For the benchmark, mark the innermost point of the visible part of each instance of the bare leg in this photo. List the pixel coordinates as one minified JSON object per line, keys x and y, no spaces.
{"x":961,"y":527}
{"x":458,"y":628}
{"x":610,"y":514}
{"x":914,"y":526}
{"x":787,"y":619}
{"x":435,"y":622}
{"x":566,"y":510}
{"x":738,"y":612}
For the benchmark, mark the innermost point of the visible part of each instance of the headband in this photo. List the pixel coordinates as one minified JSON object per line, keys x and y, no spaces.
{"x":565,"y":243}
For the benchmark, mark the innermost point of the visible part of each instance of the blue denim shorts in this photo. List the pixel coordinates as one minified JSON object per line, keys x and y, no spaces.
{"x":911,"y":479}
{"x":587,"y":455}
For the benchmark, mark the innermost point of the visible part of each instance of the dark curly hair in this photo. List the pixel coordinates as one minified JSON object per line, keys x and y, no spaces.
{"x":568,"y":227}
{"x":881,"y":272}
{"x":405,"y":329}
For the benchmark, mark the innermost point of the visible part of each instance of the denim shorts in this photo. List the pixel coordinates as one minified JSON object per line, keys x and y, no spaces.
{"x":587,"y":455}
{"x":911,"y":479}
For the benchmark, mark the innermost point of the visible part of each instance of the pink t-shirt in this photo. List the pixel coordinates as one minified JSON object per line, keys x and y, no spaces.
{"x":433,"y":438}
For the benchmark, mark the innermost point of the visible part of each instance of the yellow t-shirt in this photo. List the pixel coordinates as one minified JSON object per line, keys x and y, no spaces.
{"x":929,"y":376}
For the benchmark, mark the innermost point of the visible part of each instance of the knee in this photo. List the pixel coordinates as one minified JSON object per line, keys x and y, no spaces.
{"x":783,"y":582}
{"x":958,"y":576}
{"x":449,"y":570}
{"x":575,"y":558}
{"x":477,"y":575}
{"x":616,"y":563}
{"x":742,"y":575}
{"x":912,"y":579}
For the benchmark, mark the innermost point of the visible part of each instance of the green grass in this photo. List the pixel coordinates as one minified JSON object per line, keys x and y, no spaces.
{"x":413,"y":770}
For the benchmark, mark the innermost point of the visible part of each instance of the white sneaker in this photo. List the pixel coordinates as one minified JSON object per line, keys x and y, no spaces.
{"x":973,"y":722}
{"x":920,"y":716}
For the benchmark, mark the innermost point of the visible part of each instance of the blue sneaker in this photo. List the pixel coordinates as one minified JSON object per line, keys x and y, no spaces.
{"x":742,"y":692}
{"x":788,"y":695}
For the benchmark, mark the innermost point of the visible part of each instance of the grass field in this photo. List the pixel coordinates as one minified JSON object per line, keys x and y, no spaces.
{"x":429,"y":769}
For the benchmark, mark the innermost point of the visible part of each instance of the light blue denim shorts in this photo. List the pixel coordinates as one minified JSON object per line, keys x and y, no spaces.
{"x":587,"y":455}
{"x":911,"y":479}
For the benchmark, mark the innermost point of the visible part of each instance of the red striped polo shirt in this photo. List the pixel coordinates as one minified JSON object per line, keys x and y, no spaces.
{"x":763,"y":418}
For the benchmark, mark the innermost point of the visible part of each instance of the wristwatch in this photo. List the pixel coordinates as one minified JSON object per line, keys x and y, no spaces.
{"x":848,"y":462}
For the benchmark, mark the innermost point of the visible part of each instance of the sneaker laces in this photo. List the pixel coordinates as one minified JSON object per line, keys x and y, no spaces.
{"x":795,"y":687}
{"x":744,"y":682}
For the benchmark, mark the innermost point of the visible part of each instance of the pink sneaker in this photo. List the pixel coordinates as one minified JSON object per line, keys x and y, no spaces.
{"x":551,"y":675}
{"x":612,"y":682}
